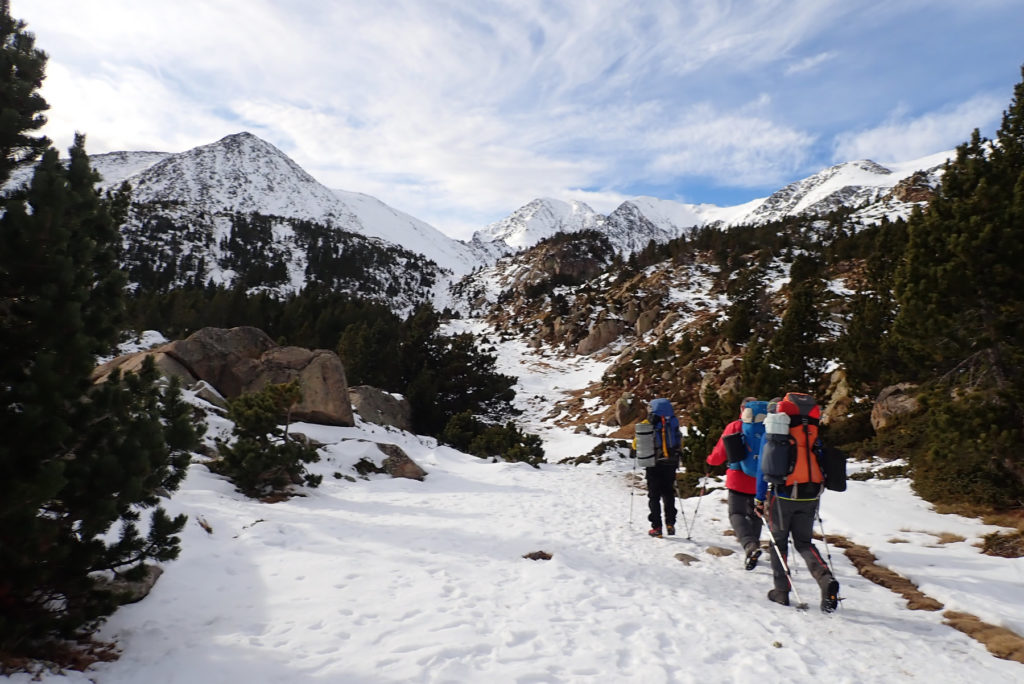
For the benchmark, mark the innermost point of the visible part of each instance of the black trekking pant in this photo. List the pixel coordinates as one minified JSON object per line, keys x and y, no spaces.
{"x":745,"y":523}
{"x":661,"y":491}
{"x":794,"y":517}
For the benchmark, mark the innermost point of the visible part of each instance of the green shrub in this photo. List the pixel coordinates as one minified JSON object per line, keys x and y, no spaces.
{"x":600,"y":453}
{"x":466,"y":433}
{"x":968,"y":451}
{"x":263,"y":460}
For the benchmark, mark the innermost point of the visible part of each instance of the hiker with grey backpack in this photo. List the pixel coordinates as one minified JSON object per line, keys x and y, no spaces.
{"x":794,"y":470}
{"x":658,"y":449}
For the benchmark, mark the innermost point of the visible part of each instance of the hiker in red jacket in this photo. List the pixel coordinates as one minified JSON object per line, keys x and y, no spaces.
{"x":742,"y":488}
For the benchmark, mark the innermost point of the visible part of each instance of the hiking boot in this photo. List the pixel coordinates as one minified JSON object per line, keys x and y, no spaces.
{"x":830,"y":596}
{"x":670,"y":530}
{"x":779,"y":596}
{"x":750,"y":561}
{"x":654,"y":532}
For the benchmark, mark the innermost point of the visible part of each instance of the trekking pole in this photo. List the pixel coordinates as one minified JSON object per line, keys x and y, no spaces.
{"x":632,"y":488}
{"x":824,"y":539}
{"x":703,"y":488}
{"x":682,"y":511}
{"x":800,"y":605}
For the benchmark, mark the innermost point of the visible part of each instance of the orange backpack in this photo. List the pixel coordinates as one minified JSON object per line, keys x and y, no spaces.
{"x":791,"y":459}
{"x":804,"y":414}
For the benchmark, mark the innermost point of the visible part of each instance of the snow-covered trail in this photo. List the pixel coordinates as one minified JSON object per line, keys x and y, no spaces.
{"x":385,"y":581}
{"x":402,"y":581}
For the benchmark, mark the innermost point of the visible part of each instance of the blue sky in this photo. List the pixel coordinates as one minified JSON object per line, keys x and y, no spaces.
{"x":460,"y":111}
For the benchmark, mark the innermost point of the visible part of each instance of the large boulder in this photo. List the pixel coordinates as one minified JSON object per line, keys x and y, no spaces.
{"x":228,"y":359}
{"x":380,"y":407}
{"x":243,"y":360}
{"x":629,"y":409}
{"x":839,"y":398}
{"x":166,"y":364}
{"x":600,"y":336}
{"x":892,"y":402}
{"x":321,"y":377}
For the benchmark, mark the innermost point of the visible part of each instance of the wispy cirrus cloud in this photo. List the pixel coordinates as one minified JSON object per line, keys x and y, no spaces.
{"x":810,"y":63}
{"x":460,"y":112}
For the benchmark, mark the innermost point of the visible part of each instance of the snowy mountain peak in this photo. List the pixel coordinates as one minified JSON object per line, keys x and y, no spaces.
{"x":848,"y":184}
{"x":240,"y":173}
{"x":538,"y":220}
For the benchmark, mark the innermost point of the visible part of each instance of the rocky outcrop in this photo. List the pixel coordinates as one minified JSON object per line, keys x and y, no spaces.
{"x":914,"y":188}
{"x":242,"y":360}
{"x":132,"y":591}
{"x":839,"y":398}
{"x":600,"y":336}
{"x":892,"y":402}
{"x":380,"y":407}
{"x":398,"y":463}
{"x":628,"y":409}
{"x":645,"y":322}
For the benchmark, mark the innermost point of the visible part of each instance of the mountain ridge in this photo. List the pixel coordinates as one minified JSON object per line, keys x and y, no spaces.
{"x":160,"y":174}
{"x":186,"y":207}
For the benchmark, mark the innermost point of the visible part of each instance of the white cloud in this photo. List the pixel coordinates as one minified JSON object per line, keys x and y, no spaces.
{"x":452,"y":111}
{"x":902,"y":138}
{"x":810,"y":63}
{"x":140,"y":112}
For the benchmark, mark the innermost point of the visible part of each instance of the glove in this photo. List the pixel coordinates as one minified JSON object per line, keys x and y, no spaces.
{"x":759,"y":508}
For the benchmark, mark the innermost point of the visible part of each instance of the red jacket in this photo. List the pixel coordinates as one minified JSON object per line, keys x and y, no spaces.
{"x":736,"y":480}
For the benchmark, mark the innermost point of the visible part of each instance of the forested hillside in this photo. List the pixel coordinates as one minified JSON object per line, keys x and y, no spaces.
{"x":825,"y":304}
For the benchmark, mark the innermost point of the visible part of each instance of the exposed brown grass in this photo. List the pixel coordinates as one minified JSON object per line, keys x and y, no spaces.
{"x":1004,"y":518}
{"x":942,"y":537}
{"x":999,"y":641}
{"x":1005,"y":545}
{"x":949,"y":537}
{"x":867,"y":565}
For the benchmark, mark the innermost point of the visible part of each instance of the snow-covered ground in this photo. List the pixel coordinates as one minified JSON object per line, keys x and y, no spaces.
{"x":383,"y":580}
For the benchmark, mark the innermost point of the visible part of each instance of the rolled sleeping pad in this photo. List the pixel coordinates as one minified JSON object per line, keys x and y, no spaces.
{"x":644,"y":433}
{"x":776,"y":424}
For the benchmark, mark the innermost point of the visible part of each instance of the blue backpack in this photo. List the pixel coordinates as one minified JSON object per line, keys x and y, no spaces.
{"x":667,"y":438}
{"x":753,"y":433}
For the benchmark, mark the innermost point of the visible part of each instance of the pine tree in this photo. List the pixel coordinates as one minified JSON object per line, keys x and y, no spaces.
{"x":960,"y":287}
{"x":960,"y":320}
{"x":263,"y":459}
{"x":865,"y":347}
{"x":795,"y":349}
{"x":22,"y":67}
{"x":78,"y":464}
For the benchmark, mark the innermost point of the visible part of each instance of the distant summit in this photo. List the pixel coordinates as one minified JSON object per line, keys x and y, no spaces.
{"x":863,"y":184}
{"x":244,"y":174}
